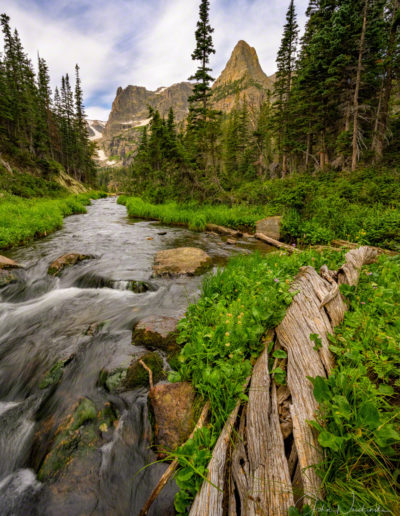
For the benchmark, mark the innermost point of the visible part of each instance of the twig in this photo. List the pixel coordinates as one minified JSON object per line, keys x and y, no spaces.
{"x":172,"y":467}
{"x":150,"y":373}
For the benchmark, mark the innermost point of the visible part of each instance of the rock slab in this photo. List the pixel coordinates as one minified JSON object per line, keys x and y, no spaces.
{"x":7,"y":263}
{"x":270,"y":226}
{"x":65,"y":261}
{"x":172,"y":405}
{"x":183,"y":260}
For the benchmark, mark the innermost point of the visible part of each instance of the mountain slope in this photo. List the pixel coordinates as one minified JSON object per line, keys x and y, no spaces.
{"x":242,"y":77}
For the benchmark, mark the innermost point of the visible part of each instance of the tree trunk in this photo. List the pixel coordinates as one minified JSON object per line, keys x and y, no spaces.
{"x":268,"y":461}
{"x":382,"y":114}
{"x":354,"y":158}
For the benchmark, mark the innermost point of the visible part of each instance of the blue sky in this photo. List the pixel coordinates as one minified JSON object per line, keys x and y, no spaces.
{"x":142,"y":42}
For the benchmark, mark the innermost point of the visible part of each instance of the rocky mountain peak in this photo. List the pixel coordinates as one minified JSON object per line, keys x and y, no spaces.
{"x":243,"y":64}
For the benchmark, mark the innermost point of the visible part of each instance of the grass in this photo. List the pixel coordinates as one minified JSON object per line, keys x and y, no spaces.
{"x":359,"y":404}
{"x":222,"y":336}
{"x":363,"y":207}
{"x":23,"y":220}
{"x":195,"y":216}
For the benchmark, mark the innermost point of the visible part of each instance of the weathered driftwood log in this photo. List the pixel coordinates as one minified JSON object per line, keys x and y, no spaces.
{"x":260,"y":470}
{"x":265,"y":475}
{"x":351,"y":245}
{"x":275,"y":243}
{"x":209,"y":500}
{"x":222,"y":230}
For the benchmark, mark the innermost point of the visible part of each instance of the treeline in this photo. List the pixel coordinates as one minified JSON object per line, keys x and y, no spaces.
{"x":332,"y":106}
{"x":334,"y":94}
{"x":37,"y":128}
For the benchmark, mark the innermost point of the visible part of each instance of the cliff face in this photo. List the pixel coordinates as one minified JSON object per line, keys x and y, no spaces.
{"x":130,"y":107}
{"x":242,"y":77}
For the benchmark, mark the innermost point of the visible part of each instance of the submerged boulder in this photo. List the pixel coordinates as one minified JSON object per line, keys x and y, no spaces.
{"x":271,"y":227}
{"x":182,"y":260}
{"x":6,"y":278}
{"x":67,"y":260}
{"x":156,"y":332}
{"x":7,"y":263}
{"x":173,"y":408}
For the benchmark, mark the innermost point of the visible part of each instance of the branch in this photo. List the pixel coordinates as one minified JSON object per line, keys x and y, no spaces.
{"x":174,"y":464}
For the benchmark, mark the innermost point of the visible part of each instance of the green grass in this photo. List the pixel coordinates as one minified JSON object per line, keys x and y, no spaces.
{"x":222,"y":336}
{"x":22,"y":220}
{"x":195,"y":216}
{"x":360,"y":414}
{"x":363,"y":207}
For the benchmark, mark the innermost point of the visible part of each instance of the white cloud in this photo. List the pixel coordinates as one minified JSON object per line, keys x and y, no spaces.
{"x":142,"y":42}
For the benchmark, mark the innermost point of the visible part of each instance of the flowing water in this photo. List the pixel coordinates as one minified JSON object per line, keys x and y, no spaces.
{"x":85,"y":318}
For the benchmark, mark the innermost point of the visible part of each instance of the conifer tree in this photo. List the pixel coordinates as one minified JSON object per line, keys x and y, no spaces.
{"x":199,"y":100}
{"x":283,"y":84}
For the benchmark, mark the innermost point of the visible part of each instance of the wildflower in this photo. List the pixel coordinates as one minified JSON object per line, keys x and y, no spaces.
{"x":227,"y":334}
{"x":368,"y":273}
{"x":276,"y":280}
{"x":294,"y":245}
{"x":363,"y":302}
{"x":227,"y":344}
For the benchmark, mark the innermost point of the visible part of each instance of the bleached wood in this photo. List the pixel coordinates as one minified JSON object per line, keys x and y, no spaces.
{"x":275,"y":243}
{"x":261,"y":479}
{"x":209,"y":499}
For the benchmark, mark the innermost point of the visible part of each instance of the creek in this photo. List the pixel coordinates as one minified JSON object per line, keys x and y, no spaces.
{"x":85,"y":318}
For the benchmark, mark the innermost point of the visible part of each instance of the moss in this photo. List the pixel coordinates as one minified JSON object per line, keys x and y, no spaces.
{"x":54,"y":375}
{"x":153,"y":340}
{"x":85,"y":412}
{"x":137,"y":376}
{"x":77,"y":436}
{"x":114,"y":380}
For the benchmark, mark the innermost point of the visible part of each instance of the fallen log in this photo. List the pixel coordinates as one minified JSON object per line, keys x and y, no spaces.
{"x":352,"y":245}
{"x":265,"y":473}
{"x":209,"y":499}
{"x":222,"y":230}
{"x":275,"y":243}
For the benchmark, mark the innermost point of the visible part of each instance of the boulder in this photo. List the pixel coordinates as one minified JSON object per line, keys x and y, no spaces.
{"x":183,"y":260}
{"x":65,"y":261}
{"x":6,"y":278}
{"x":137,"y":376}
{"x":156,"y":332}
{"x":172,"y":405}
{"x":7,"y":263}
{"x":270,"y":227}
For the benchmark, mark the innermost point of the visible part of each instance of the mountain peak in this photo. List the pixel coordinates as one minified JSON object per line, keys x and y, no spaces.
{"x":243,"y":64}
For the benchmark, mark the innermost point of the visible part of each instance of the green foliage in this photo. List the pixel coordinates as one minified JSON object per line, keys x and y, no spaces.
{"x":27,"y":185}
{"x":193,"y":215}
{"x":35,"y":131}
{"x":222,"y":336}
{"x":22,"y":220}
{"x":54,"y":375}
{"x":359,"y":419}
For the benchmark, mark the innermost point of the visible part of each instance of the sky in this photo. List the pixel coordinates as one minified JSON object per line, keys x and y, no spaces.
{"x":141,"y":42}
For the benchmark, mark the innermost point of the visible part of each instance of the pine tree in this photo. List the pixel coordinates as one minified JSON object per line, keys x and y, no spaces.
{"x":42,"y":135}
{"x":199,"y":100}
{"x":283,"y":84}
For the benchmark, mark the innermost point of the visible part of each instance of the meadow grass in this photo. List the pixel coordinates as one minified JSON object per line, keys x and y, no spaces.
{"x":359,"y":414}
{"x":195,"y":216}
{"x":222,"y":336}
{"x":363,"y":207}
{"x":22,"y":220}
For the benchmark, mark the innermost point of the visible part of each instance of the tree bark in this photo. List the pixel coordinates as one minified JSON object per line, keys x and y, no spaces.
{"x":354,"y":158}
{"x":271,"y":463}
